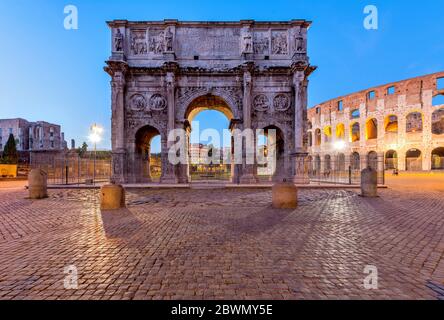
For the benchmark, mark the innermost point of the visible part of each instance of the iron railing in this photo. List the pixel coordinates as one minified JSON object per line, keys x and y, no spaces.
{"x":69,"y":170}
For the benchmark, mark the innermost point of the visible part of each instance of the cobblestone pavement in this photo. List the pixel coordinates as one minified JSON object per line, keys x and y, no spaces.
{"x":223,"y":243}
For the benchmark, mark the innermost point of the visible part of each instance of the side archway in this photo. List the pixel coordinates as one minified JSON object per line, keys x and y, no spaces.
{"x":276,"y":167}
{"x":146,"y":166}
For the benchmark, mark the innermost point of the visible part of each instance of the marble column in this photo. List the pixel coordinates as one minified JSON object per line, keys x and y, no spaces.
{"x":248,"y":175}
{"x":168,"y":169}
{"x":184,"y":168}
{"x":118,"y":127}
{"x":236,"y":168}
{"x":300,"y":103}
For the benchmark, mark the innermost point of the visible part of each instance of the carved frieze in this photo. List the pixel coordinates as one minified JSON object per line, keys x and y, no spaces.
{"x":138,"y":102}
{"x":156,"y":41}
{"x":261,"y":44}
{"x":279,"y":43}
{"x":138,"y":42}
{"x":281,"y":102}
{"x":261,"y":103}
{"x":157,"y":102}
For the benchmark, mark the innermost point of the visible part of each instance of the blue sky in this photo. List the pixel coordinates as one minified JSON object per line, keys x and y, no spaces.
{"x":51,"y":74}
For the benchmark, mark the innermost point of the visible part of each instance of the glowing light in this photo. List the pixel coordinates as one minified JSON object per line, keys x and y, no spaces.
{"x":95,"y":135}
{"x":339,"y":145}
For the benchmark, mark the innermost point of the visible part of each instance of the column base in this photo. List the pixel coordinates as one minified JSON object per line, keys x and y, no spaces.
{"x":248,"y":179}
{"x":300,"y":170}
{"x":169,"y":179}
{"x":301,"y":179}
{"x":119,"y":166}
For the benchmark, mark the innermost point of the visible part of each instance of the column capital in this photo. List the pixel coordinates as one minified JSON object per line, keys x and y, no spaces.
{"x":116,"y":68}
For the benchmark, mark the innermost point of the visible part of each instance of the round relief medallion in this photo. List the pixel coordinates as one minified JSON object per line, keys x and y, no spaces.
{"x":281,"y":102}
{"x":138,"y":102}
{"x":157,"y":102}
{"x":260,"y":102}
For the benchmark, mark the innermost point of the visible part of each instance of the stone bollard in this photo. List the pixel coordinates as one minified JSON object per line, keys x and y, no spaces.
{"x":112,"y":196}
{"x":37,"y":184}
{"x":285,"y":196}
{"x":369,"y":183}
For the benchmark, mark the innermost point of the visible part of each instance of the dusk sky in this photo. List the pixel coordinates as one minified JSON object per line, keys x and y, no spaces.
{"x":56,"y":75}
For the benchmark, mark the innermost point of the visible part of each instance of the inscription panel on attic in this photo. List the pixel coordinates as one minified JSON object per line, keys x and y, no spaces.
{"x":163,"y":73}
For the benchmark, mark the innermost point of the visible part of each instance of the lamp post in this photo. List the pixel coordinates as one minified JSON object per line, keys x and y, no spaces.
{"x":95,"y":136}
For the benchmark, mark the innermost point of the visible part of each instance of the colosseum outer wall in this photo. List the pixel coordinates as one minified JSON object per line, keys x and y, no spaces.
{"x":403,"y":122}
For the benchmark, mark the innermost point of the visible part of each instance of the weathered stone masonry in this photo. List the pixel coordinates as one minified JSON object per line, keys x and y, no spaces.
{"x":163,"y":73}
{"x":399,"y":123}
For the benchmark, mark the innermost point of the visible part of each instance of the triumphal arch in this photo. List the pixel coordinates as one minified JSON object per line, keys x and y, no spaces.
{"x":164,"y":72}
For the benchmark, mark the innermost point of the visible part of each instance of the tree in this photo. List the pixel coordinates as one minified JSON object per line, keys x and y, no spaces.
{"x":83,"y":149}
{"x":10,"y":154}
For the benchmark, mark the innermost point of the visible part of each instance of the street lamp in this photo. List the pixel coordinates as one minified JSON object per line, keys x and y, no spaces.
{"x":95,"y":136}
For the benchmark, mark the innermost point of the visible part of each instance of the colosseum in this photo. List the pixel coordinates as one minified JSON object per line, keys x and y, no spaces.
{"x":394,"y":126}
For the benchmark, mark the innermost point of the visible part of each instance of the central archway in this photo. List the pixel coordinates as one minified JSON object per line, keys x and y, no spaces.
{"x":208,"y":102}
{"x":208,"y":159}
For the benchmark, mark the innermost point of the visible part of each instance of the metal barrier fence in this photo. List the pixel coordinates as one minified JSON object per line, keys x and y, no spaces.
{"x":74,"y":170}
{"x":337,"y":171}
{"x":210,"y":172}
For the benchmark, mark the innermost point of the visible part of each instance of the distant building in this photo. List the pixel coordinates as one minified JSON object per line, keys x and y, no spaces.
{"x":198,"y":153}
{"x":18,"y":127}
{"x":35,"y":137}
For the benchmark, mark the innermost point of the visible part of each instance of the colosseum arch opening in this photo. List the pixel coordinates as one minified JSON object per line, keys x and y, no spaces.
{"x":310,"y":139}
{"x":438,"y":159}
{"x":391,"y":160}
{"x":413,"y":160}
{"x":391,"y":124}
{"x":372,"y":160}
{"x":355,"y":132}
{"x":438,"y":122}
{"x":371,"y":129}
{"x":355,"y":161}
{"x":340,"y":131}
{"x":327,"y":134}
{"x":340,"y":162}
{"x":414,"y":122}
{"x":317,"y":137}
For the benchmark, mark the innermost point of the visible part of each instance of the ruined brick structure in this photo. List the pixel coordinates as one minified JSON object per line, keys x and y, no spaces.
{"x":165,"y":72}
{"x":400,"y":124}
